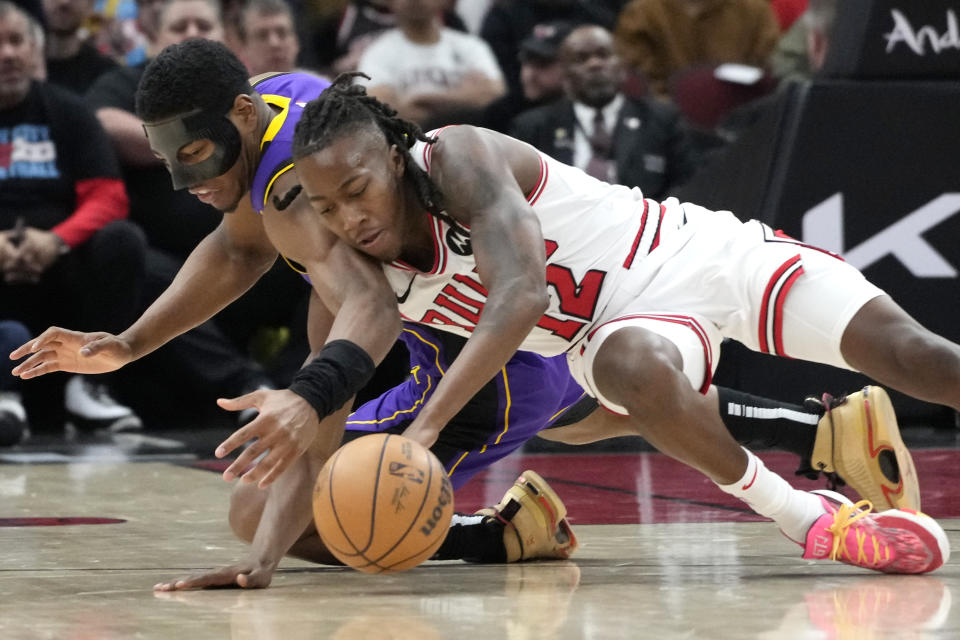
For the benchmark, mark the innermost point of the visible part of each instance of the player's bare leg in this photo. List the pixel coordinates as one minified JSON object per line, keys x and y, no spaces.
{"x":246,"y":508}
{"x":885,"y":343}
{"x":642,"y":371}
{"x":853,"y":439}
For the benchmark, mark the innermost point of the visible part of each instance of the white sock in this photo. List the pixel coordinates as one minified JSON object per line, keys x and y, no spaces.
{"x":464,"y":519}
{"x":771,"y":496}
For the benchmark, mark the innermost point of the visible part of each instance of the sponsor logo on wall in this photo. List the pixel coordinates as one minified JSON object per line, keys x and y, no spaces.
{"x":923,"y":38}
{"x":823,"y":226}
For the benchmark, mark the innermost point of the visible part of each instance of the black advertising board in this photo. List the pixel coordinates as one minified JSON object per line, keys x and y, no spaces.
{"x":895,"y":39}
{"x":866,"y":169}
{"x":872,"y":174}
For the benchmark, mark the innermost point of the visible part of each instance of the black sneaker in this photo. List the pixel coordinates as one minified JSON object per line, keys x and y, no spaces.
{"x":13,"y":419}
{"x":90,"y":408}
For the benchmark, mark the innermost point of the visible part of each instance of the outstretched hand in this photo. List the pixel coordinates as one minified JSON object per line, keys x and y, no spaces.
{"x":286,"y":426}
{"x":59,"y":349}
{"x":245,"y":575}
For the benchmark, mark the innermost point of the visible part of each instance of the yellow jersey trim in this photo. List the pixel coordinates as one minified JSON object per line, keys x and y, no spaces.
{"x":413,"y":371}
{"x":416,"y":404}
{"x":457,"y":463}
{"x":278,"y":120}
{"x":290,"y":264}
{"x":266,"y":192}
{"x":506,"y":424}
{"x":506,"y":411}
{"x":564,"y":410}
{"x":436,"y":349}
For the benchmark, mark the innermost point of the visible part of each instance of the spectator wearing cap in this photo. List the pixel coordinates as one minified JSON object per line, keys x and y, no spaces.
{"x":507,"y":24}
{"x":541,"y":76}
{"x":595,"y":127}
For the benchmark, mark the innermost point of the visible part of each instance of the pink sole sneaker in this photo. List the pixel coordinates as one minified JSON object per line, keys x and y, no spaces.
{"x":893,"y":541}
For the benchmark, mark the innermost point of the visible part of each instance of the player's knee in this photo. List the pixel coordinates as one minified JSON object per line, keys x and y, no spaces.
{"x":641,"y":371}
{"x":246,"y":507}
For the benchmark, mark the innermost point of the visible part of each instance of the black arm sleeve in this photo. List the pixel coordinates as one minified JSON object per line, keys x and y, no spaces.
{"x":338,"y":372}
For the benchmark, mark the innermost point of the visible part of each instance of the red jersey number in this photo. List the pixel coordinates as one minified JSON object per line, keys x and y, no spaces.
{"x":578,"y":299}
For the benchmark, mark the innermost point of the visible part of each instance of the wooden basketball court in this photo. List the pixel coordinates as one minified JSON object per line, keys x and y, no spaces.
{"x":85,"y":532}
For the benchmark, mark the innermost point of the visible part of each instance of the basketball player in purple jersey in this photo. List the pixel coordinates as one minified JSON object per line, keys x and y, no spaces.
{"x":221,"y":158}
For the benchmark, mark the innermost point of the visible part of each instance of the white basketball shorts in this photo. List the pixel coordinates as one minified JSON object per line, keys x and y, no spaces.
{"x":729,"y":279}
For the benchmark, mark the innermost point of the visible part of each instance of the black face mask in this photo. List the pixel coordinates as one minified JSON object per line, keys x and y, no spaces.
{"x":168,"y":136}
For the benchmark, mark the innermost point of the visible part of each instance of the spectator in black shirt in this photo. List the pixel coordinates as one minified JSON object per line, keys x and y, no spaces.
{"x":72,"y":62}
{"x":67,"y":254}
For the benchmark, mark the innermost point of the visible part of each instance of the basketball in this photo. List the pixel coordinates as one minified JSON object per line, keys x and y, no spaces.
{"x":382,"y":503}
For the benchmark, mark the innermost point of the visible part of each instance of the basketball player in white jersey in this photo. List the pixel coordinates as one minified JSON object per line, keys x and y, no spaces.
{"x":638,"y":294}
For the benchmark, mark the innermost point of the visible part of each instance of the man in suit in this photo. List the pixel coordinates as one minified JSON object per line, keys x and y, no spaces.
{"x":595,"y":127}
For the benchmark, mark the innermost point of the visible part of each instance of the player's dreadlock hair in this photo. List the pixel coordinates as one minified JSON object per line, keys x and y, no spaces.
{"x":193,"y":74}
{"x":345,"y":107}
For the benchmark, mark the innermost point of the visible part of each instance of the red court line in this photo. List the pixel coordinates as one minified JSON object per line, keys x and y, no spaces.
{"x":55,"y":521}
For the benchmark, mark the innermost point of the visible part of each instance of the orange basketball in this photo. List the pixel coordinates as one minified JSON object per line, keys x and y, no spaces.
{"x":382,"y":503}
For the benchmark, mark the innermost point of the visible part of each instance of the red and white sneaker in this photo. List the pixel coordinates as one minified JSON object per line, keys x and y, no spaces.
{"x":893,"y":541}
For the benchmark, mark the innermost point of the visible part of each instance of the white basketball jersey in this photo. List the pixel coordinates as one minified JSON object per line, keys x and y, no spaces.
{"x":594,"y":233}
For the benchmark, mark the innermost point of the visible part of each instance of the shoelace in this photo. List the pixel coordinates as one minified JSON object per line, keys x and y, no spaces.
{"x":825,"y":404}
{"x":845,"y":517}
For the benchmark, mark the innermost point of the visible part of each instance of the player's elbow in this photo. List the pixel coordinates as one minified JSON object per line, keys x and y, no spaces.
{"x":533,"y":299}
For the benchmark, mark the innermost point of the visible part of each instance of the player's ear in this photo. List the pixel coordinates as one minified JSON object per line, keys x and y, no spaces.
{"x":397,"y":161}
{"x":245,"y":111}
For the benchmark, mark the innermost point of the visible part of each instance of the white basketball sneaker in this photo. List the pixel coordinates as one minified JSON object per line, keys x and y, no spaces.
{"x":90,"y":407}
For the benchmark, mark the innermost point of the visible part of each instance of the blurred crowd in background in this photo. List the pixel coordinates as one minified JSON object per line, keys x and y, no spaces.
{"x":637,"y":92}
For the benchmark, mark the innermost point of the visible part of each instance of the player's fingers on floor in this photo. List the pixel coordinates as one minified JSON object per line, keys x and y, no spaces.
{"x":202,"y":580}
{"x":168,"y":585}
{"x":254,"y":579}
